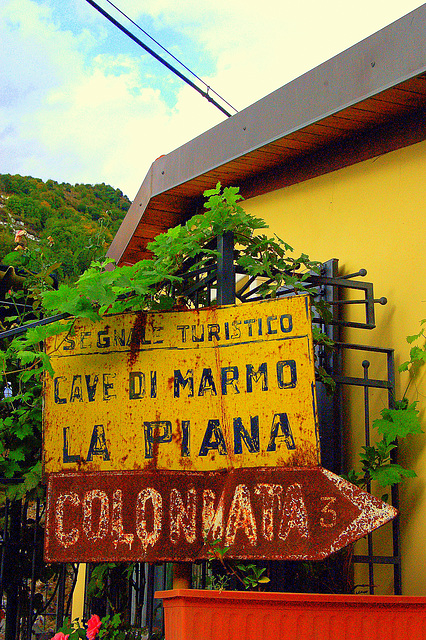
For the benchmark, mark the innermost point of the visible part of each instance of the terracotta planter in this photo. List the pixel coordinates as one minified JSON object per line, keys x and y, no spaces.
{"x":237,"y":615}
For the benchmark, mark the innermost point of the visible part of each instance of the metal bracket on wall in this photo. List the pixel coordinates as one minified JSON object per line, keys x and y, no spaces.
{"x":345,"y":283}
{"x":342,"y":285}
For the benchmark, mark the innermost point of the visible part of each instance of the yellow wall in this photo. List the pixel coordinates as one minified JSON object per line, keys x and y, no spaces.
{"x":371,"y":216}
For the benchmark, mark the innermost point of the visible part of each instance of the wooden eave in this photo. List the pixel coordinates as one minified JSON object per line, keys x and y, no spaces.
{"x":364,"y":102}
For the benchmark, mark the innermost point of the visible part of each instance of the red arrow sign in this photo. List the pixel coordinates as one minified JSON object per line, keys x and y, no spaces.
{"x":272,"y":513}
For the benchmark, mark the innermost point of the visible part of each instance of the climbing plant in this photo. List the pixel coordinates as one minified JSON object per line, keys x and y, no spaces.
{"x":399,"y":421}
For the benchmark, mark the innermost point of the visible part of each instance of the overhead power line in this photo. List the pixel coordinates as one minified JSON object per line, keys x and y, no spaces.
{"x":160,"y":59}
{"x":171,"y":55}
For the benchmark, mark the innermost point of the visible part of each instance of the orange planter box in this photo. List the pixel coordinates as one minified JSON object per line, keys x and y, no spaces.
{"x":192,"y":614}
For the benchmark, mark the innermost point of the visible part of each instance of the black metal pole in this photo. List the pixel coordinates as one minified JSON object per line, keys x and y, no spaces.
{"x":3,"y":546}
{"x":33,"y":572}
{"x":225,"y":269}
{"x":60,"y":607}
{"x":396,"y":533}
{"x":150,"y":599}
{"x":366,"y":365}
{"x":12,"y":588}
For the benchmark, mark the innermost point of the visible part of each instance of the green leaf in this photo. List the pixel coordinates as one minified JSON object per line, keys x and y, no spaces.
{"x":40,"y":333}
{"x":25,"y":376}
{"x":26,"y":357}
{"x":31,"y":480}
{"x":116,"y":619}
{"x":23,"y":430}
{"x":326,"y":379}
{"x":417,"y":354}
{"x":353,"y":477}
{"x":411,"y":339}
{"x":404,"y":366}
{"x":47,"y":364}
{"x":369,"y":454}
{"x":398,"y":422}
{"x":17,"y":454}
{"x":391,"y":474}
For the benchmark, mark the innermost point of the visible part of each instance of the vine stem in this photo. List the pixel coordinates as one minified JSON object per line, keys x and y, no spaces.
{"x":229,"y":568}
{"x":408,"y":386}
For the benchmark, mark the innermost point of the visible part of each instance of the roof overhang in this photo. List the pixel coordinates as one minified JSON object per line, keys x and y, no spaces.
{"x":367,"y":100}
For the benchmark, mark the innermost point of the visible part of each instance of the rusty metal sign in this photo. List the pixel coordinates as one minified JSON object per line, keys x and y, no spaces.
{"x":165,"y":432}
{"x":290,"y":514}
{"x":197,"y":390}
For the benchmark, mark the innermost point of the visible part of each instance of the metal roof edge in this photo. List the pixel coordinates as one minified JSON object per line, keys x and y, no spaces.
{"x":132,"y":218}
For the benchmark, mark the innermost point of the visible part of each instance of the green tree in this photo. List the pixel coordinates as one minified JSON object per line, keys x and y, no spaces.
{"x":73,"y":224}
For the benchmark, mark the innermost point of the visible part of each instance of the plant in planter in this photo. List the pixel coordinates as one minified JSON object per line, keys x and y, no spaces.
{"x":248,"y":575}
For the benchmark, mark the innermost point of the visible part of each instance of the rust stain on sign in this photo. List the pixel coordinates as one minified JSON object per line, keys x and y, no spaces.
{"x":199,"y":390}
{"x":276,"y":513}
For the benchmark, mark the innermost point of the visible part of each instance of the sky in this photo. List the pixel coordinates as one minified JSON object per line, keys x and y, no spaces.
{"x":81,"y":103}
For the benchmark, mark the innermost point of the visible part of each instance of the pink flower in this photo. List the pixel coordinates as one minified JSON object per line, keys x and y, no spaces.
{"x":61,"y":636}
{"x":93,"y":627}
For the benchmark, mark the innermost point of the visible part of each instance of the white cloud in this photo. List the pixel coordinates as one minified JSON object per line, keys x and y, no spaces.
{"x":73,"y":110}
{"x":260,"y":46}
{"x":79,"y":119}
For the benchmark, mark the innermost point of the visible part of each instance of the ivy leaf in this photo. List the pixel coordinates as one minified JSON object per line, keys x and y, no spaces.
{"x":10,"y":469}
{"x":26,"y":357}
{"x":326,"y":379}
{"x":116,"y":619}
{"x":25,"y":376}
{"x":411,"y":339}
{"x":47,"y":364}
{"x":23,"y":430}
{"x":31,"y":481}
{"x":398,"y":422}
{"x":33,"y":477}
{"x":391,"y":474}
{"x":40,"y":333}
{"x":404,"y":366}
{"x":17,"y":455}
{"x":417,"y":354}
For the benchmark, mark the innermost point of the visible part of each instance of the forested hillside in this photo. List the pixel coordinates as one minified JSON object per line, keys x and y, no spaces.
{"x":69,"y":224}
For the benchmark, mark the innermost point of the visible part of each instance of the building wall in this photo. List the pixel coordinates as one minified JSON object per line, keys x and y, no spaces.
{"x":372,"y":215}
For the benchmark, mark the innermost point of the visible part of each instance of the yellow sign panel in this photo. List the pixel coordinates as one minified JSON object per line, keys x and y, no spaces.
{"x":207,"y":389}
